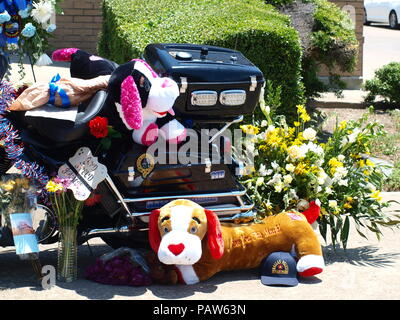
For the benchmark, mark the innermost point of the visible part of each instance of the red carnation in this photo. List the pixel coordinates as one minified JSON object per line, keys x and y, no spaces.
{"x":93,"y":200}
{"x":99,"y":127}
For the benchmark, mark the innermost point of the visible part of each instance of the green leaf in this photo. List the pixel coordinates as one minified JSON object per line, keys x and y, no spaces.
{"x":105,"y":143}
{"x":112,"y":133}
{"x":361,"y":234}
{"x":344,"y":235}
{"x":323,"y":228}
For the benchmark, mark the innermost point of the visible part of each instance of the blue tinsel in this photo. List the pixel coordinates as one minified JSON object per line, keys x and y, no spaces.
{"x":9,"y":135}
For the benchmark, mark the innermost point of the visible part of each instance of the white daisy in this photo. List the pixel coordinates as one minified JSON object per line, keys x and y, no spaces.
{"x":42,"y":11}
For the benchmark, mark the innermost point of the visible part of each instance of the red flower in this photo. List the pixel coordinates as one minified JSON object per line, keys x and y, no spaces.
{"x":93,"y":200}
{"x":99,"y":127}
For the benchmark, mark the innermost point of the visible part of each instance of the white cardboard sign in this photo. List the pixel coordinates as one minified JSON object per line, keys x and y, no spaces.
{"x":86,"y":173}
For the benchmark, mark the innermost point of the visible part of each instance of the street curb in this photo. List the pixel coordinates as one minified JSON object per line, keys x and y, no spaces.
{"x":338,"y":105}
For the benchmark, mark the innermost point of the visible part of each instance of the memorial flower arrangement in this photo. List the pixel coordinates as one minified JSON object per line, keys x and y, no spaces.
{"x":291,"y":168}
{"x":68,"y":212}
{"x":25,"y":27}
{"x":117,"y":271}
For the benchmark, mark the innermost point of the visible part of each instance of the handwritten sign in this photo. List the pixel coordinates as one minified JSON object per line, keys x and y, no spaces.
{"x":85,"y":173}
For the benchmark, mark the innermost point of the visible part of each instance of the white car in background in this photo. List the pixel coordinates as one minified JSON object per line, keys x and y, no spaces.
{"x":382,"y":11}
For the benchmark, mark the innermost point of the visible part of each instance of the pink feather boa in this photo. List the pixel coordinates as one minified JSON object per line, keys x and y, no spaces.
{"x":63,"y":54}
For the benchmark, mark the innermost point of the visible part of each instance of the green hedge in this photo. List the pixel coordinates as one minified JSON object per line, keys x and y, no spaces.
{"x":256,"y":29}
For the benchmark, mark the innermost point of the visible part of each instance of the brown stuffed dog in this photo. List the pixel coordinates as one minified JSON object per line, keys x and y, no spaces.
{"x":184,"y":234}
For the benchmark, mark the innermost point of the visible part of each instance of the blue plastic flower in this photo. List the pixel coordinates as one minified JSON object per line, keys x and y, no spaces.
{"x":26,"y":12}
{"x":51,"y":28}
{"x":4,"y":17}
{"x":29,"y":30}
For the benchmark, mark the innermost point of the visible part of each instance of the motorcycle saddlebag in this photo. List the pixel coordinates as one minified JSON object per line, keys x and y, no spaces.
{"x":215,"y":83}
{"x":137,"y":176}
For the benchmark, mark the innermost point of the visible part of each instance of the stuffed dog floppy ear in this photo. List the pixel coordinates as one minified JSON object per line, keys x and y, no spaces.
{"x":154,"y":234}
{"x":215,"y":241}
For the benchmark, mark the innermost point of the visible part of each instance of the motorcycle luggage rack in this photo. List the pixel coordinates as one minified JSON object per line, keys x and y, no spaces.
{"x":244,"y":204}
{"x":222,"y":209}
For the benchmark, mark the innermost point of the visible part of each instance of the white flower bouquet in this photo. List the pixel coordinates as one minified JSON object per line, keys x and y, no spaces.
{"x":292,"y":168}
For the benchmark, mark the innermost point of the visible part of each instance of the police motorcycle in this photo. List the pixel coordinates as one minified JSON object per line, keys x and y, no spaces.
{"x":217,"y":88}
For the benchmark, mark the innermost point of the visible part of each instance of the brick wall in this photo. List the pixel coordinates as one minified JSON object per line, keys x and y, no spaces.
{"x":358,"y":18}
{"x":79,"y":26}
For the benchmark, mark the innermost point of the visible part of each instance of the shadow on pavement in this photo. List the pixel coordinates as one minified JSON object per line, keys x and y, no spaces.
{"x":361,"y":256}
{"x":381,"y":26}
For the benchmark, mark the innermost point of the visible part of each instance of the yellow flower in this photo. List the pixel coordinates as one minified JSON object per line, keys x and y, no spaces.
{"x":273,"y":137}
{"x":250,"y":129}
{"x":369,"y":163}
{"x":367,"y":172}
{"x":290,"y":132}
{"x":300,"y":169}
{"x":300,"y":108}
{"x":376,"y":195}
{"x":305,"y":117}
{"x":9,"y":185}
{"x":347,"y":206}
{"x":296,"y":124}
{"x":350,"y":199}
{"x":343,"y":125}
{"x":334,"y":163}
{"x":323,"y":212}
{"x":263,"y":147}
{"x":302,"y":112}
{"x":361,"y":163}
{"x":51,"y":186}
{"x":284,"y":146}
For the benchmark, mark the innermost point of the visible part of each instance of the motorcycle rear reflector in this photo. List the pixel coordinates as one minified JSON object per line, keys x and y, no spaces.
{"x":232,"y":97}
{"x":204,"y":98}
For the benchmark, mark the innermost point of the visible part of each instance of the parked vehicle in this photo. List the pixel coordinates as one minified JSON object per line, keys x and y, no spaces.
{"x":382,"y":11}
{"x":217,"y":88}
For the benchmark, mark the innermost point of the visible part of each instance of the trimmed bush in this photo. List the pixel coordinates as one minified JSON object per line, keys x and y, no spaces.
{"x":254,"y":28}
{"x":386,"y":83}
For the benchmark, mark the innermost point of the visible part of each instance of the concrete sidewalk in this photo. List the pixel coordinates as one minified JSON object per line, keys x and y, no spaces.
{"x":367,"y":270}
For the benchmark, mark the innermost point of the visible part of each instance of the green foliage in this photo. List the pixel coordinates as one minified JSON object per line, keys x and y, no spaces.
{"x":386,"y":83}
{"x":254,"y":28}
{"x":393,"y":182}
{"x":333,"y":36}
{"x":334,"y":44}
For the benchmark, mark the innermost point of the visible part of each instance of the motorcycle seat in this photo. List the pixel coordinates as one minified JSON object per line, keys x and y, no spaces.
{"x":65,"y":131}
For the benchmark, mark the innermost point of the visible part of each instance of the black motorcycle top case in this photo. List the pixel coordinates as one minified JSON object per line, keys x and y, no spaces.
{"x":198,"y":68}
